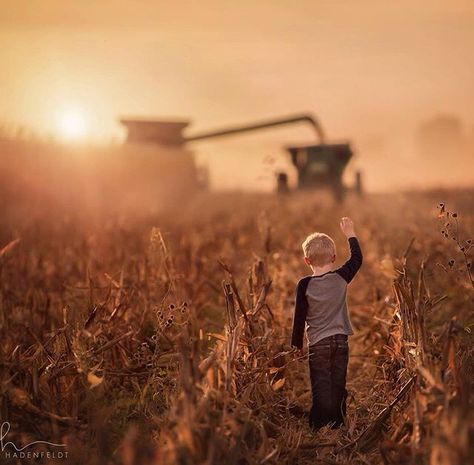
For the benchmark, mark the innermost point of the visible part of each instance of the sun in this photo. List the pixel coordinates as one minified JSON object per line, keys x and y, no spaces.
{"x":72,"y":125}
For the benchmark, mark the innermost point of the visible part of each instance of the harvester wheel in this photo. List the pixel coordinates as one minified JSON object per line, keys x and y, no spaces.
{"x":339,"y":192}
{"x":282,"y":183}
{"x":358,"y":183}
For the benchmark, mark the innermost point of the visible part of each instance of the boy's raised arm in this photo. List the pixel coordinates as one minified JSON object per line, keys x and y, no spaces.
{"x":301,"y":310}
{"x":351,"y":267}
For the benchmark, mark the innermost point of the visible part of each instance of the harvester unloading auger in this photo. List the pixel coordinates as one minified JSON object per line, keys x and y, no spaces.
{"x":318,"y":165}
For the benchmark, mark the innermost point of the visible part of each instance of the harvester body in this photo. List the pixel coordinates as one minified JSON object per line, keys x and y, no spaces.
{"x":318,"y":165}
{"x":321,"y":166}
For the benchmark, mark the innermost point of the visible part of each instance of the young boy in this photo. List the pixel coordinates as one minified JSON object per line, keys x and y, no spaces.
{"x":321,"y":304}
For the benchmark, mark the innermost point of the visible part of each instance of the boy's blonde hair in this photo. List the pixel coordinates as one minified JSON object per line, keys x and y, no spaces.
{"x":319,"y":248}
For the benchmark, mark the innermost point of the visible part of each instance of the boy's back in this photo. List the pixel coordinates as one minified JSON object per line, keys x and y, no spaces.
{"x":321,"y":300}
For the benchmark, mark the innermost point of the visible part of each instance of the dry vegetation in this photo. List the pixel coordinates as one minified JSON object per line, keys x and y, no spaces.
{"x":162,"y":337}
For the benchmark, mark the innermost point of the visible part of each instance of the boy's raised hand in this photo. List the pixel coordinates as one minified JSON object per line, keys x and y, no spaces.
{"x":347,"y":227}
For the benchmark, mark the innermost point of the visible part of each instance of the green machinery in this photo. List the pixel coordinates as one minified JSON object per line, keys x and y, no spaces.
{"x":318,"y":165}
{"x":322,"y":165}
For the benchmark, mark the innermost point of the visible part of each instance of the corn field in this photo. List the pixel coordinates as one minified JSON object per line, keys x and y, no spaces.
{"x":163,"y":337}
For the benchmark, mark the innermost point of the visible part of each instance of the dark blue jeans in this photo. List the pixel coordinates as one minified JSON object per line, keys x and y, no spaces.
{"x":328,"y":368}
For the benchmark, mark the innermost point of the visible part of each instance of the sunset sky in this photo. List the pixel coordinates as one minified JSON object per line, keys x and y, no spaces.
{"x":367,"y":69}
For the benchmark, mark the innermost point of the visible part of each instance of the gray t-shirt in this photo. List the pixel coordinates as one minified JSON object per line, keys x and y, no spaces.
{"x":321,"y":301}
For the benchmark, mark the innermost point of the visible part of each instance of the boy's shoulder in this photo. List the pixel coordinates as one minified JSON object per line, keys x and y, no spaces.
{"x":303,"y":282}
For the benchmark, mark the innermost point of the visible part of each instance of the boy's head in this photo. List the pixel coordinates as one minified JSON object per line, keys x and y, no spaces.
{"x":319,"y":250}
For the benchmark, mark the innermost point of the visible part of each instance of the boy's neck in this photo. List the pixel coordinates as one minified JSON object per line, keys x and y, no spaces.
{"x":319,"y":270}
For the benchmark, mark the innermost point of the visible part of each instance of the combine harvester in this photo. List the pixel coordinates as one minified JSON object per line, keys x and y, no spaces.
{"x":318,"y":166}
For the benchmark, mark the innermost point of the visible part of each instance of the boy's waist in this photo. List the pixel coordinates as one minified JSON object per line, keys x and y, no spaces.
{"x":329,"y":339}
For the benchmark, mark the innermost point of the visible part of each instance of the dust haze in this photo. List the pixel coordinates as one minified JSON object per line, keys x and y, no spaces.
{"x":393,"y":79}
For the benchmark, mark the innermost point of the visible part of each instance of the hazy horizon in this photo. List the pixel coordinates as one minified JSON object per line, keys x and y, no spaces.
{"x":371,"y":72}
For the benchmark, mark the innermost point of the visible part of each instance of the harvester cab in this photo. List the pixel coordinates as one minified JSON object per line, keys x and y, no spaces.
{"x":322,"y":165}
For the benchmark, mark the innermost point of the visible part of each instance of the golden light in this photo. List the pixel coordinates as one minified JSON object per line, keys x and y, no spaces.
{"x":72,"y":125}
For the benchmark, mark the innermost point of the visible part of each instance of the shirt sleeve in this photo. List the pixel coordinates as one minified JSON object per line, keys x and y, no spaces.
{"x":301,"y":310}
{"x":351,"y":267}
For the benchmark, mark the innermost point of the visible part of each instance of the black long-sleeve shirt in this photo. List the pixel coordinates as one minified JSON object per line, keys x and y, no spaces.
{"x":321,"y":301}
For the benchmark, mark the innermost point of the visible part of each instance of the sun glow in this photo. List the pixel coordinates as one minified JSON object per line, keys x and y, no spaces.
{"x":72,"y":125}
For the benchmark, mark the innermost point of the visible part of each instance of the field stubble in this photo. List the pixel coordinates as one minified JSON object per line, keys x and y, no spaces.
{"x":164,"y":337}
